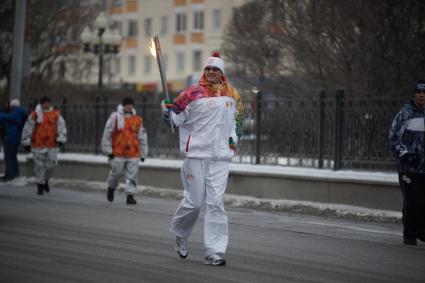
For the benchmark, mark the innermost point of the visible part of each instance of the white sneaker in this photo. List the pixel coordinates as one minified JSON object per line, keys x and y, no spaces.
{"x":181,"y":247}
{"x":215,"y":260}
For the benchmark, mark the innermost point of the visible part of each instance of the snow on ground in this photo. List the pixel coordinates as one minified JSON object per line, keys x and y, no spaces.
{"x":390,"y":178}
{"x":232,"y":200}
{"x":337,"y":210}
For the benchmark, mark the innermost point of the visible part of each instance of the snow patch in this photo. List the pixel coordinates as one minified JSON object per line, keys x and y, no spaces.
{"x":388,"y":178}
{"x":304,"y":207}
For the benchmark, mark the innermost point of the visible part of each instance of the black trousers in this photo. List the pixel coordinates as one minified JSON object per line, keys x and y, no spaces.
{"x":413,"y":214}
{"x":11,"y":160}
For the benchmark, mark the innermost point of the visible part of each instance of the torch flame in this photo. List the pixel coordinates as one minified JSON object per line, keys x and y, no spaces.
{"x":152,"y":48}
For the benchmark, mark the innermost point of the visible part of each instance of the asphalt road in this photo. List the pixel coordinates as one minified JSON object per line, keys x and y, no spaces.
{"x":75,"y":236}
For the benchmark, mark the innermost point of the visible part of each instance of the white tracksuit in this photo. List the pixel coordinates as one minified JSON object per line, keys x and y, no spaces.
{"x":45,"y":158}
{"x":205,"y":127}
{"x":123,"y":166}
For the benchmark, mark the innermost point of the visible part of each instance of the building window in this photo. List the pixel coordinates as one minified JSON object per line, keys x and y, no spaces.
{"x":147,"y":66}
{"x":88,"y":70}
{"x":132,"y":28}
{"x":179,"y":61}
{"x":116,"y":69}
{"x":117,"y":26}
{"x":131,"y":65}
{"x":216,"y":19}
{"x":75,"y":69}
{"x":164,"y":25}
{"x":197,"y":60}
{"x":198,"y":20}
{"x":180,"y":22}
{"x":148,"y":27}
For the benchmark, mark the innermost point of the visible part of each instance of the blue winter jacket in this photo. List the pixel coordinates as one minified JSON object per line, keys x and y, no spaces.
{"x":13,"y":123}
{"x":407,"y":134}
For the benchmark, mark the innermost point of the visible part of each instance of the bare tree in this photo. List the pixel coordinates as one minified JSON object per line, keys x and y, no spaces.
{"x":367,"y":47}
{"x":53,"y":28}
{"x":6,"y":38}
{"x":250,"y":43}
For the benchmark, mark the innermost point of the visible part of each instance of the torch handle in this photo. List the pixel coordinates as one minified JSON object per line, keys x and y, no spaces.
{"x":160,"y":61}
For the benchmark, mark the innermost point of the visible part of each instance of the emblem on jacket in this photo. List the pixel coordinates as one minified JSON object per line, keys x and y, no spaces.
{"x":189,"y":177}
{"x":229,"y":104}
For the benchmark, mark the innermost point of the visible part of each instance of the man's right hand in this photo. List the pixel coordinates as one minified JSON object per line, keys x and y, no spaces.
{"x":27,"y":148}
{"x":110,"y":157}
{"x":166,"y":106}
{"x":410,"y":158}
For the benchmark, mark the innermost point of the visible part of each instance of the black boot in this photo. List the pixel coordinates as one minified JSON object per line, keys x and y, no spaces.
{"x":410,"y":241}
{"x":110,"y":194}
{"x":46,"y":186}
{"x":131,"y":200}
{"x":421,"y":237}
{"x":40,"y":189}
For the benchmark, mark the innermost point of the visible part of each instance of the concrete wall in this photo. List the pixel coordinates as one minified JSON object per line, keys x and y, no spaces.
{"x":327,"y":187}
{"x":376,"y":196}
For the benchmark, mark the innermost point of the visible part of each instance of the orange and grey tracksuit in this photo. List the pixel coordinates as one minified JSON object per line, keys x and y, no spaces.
{"x":125,"y":138}
{"x":44,"y":130}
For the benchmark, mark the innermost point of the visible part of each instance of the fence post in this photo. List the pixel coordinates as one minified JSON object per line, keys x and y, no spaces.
{"x":258,"y":128}
{"x":96,"y":139}
{"x":105,"y":108}
{"x":63,"y":108}
{"x":143,"y":104}
{"x":338,"y":129}
{"x":321,"y":127}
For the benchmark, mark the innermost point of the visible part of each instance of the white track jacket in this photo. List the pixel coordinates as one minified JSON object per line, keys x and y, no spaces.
{"x":207,"y":121}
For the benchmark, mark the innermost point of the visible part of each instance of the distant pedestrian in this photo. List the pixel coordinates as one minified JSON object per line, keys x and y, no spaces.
{"x":125,"y":143}
{"x":407,"y":141}
{"x":209,"y":117}
{"x":44,"y":134}
{"x":13,"y":121}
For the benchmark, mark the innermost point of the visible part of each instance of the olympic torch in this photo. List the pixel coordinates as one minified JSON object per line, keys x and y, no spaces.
{"x":156,"y":52}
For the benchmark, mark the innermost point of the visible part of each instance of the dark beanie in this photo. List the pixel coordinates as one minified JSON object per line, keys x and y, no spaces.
{"x":127,"y":100}
{"x":45,"y":99}
{"x":420,"y":85}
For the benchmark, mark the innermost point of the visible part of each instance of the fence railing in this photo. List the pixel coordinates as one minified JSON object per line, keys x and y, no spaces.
{"x":332,"y":131}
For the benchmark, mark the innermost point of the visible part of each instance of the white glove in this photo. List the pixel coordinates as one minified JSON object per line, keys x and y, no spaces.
{"x":166,"y":108}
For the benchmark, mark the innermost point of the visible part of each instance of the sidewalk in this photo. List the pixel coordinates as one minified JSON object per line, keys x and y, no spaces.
{"x":232,"y":200}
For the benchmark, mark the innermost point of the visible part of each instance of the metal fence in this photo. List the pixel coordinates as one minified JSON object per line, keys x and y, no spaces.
{"x":328,"y":132}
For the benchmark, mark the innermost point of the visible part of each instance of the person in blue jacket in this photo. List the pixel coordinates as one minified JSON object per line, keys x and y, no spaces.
{"x":13,"y":122}
{"x":407,"y":142}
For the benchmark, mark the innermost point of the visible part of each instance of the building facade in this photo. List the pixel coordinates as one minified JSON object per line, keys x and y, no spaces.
{"x":189,"y":31}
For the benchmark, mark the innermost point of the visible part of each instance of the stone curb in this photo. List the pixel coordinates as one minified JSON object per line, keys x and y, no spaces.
{"x":303,"y":207}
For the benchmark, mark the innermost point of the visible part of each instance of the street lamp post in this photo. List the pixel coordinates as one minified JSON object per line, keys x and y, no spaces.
{"x":101,"y":41}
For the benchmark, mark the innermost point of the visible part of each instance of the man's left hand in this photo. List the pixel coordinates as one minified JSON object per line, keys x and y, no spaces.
{"x":232,"y":143}
{"x":61,"y":146}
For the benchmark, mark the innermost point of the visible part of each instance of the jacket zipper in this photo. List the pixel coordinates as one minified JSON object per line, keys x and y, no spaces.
{"x":187,"y":143}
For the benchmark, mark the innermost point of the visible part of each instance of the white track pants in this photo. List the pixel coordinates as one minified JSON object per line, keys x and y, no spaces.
{"x":203,"y":179}
{"x":44,"y":162}
{"x":124,"y":167}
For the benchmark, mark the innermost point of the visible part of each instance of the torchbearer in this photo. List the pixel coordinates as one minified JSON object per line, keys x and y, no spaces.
{"x":209,"y":116}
